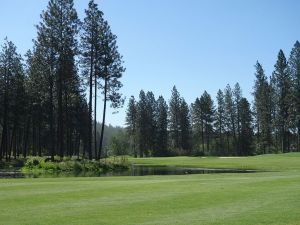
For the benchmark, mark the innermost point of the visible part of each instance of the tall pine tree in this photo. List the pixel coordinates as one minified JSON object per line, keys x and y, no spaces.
{"x":283,"y":95}
{"x":294,"y":71}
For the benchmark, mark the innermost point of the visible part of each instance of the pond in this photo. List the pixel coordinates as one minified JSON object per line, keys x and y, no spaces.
{"x":134,"y":170}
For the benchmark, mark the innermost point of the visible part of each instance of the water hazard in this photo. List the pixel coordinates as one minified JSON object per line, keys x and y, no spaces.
{"x":134,"y":170}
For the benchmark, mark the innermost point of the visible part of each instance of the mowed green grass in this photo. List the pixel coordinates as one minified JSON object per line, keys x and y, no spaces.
{"x":256,"y":198}
{"x":269,"y":162}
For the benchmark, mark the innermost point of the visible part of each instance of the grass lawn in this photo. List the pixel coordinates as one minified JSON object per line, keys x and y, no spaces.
{"x":256,"y":198}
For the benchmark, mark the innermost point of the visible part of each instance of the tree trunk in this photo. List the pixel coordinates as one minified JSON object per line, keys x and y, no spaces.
{"x":298,"y":139}
{"x":202,"y":136}
{"x":95,"y":118}
{"x":228,"y":151}
{"x":39,"y":136}
{"x":282,"y":140}
{"x":4,"y":140}
{"x":51,"y":117}
{"x":26,"y":134}
{"x":90,"y":105}
{"x":60,"y":132}
{"x":12,"y":140}
{"x":207,"y":139}
{"x":66,"y":122}
{"x":103,"y":119}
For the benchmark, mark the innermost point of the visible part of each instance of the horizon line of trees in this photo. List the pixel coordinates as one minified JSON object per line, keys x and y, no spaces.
{"x":231,"y":126}
{"x":44,"y":108}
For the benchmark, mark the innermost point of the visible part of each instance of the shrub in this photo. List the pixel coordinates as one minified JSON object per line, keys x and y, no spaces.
{"x":74,"y":165}
{"x":34,"y":162}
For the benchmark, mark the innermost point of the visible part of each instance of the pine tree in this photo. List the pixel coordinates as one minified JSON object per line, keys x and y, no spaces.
{"x":12,"y":90}
{"x":142,"y":124}
{"x":197,"y":126}
{"x":274,"y":108}
{"x":91,"y":50}
{"x":131,"y":123}
{"x":246,"y":131}
{"x":151,"y":122}
{"x":208,"y":117}
{"x":174,"y":119}
{"x":57,"y":32}
{"x":220,"y":122}
{"x":262,"y":108}
{"x":294,"y":71}
{"x":42,"y":61}
{"x":237,"y":95}
{"x":37,"y":97}
{"x":283,"y":85}
{"x":161,"y":148}
{"x":230,"y":120}
{"x":184,"y":127}
{"x":111,"y":71}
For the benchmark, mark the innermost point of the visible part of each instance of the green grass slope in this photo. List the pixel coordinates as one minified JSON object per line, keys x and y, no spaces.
{"x":259,"y":198}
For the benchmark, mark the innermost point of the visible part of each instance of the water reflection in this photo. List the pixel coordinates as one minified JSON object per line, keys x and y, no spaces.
{"x":173,"y":170}
{"x":134,"y":170}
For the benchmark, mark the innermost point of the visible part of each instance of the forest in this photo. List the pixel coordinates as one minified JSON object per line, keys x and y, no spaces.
{"x":48,"y":100}
{"x":231,"y":127}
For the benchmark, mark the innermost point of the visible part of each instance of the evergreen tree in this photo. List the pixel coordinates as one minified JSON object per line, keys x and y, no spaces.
{"x":208,"y":117}
{"x":274,"y":108}
{"x":142,"y":124}
{"x":12,"y":92}
{"x":283,"y":85}
{"x":246,"y":131}
{"x":220,"y":122}
{"x":230,"y":120}
{"x":161,"y":148}
{"x":237,"y":95}
{"x":203,"y":112}
{"x":174,"y":119}
{"x":198,"y":125}
{"x":262,"y":108}
{"x":37,"y":99}
{"x":57,"y":32}
{"x":91,"y":50}
{"x":151,"y":112}
{"x":294,"y":71}
{"x":131,"y":123}
{"x":184,"y":127}
{"x":111,"y":71}
{"x":42,"y":62}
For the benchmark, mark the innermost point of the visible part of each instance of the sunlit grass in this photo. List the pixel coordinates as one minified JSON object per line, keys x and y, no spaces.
{"x":256,"y":198}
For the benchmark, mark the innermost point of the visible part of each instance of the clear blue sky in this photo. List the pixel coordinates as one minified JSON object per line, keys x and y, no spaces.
{"x":196,"y":45}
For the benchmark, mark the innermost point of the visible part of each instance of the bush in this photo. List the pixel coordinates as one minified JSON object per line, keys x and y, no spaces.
{"x":34,"y":162}
{"x":49,"y":166}
{"x":73,"y":165}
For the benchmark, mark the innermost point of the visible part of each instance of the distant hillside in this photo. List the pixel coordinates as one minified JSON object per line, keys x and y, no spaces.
{"x":109,"y":132}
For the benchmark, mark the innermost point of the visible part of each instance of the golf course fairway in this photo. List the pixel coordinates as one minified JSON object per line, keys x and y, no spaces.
{"x":268,"y":197}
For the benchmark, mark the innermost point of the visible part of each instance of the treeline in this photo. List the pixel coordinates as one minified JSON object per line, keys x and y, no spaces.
{"x":158,"y":128}
{"x":44,"y":107}
{"x":228,"y":126}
